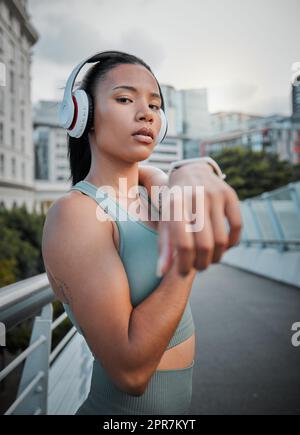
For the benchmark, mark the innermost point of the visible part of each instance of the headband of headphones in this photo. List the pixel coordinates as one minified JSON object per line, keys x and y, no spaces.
{"x":67,"y":109}
{"x":74,"y":111}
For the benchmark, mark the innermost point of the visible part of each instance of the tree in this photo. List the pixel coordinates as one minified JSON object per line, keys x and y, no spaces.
{"x":251,"y":173}
{"x":20,"y":245}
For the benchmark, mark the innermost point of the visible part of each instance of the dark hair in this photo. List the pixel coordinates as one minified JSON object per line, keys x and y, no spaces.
{"x":79,"y":152}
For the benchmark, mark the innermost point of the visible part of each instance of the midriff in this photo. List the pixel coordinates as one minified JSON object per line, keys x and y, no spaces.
{"x":179,"y":356}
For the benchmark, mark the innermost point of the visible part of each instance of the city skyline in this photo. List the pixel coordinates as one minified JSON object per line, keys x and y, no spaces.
{"x":246,"y":50}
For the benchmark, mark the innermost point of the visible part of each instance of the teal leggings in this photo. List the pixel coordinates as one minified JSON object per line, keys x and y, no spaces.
{"x":168,"y":392}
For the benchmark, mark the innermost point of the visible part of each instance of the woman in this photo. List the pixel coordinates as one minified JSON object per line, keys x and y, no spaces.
{"x":138,"y":326}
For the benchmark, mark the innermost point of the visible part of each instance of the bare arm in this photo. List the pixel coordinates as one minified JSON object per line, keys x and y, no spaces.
{"x":129,"y":342}
{"x":154,"y":321}
{"x":151,"y":176}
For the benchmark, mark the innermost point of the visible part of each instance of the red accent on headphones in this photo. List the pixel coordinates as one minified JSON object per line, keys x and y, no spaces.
{"x":75,"y":113}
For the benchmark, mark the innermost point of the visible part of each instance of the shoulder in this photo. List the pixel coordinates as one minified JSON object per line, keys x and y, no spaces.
{"x":74,"y":226}
{"x":75,"y":210}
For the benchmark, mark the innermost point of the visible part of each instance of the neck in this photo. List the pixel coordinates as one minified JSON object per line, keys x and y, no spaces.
{"x":118,"y":175}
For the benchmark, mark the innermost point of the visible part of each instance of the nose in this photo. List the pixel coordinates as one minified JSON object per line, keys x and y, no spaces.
{"x":145,"y":114}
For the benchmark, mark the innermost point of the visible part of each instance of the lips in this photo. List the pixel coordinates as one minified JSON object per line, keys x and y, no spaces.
{"x":144,"y":132}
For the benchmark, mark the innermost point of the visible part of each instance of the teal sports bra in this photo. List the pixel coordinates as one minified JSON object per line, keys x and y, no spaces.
{"x":139,"y":251}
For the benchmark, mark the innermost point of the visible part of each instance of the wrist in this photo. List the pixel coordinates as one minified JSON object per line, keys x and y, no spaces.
{"x":208,"y":161}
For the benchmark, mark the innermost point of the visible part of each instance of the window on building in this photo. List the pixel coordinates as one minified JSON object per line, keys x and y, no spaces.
{"x":22,"y":94}
{"x":13,"y":138}
{"x":1,"y":41}
{"x":1,"y":133}
{"x":2,"y":96}
{"x":22,"y":144}
{"x":12,"y":109}
{"x":12,"y":52}
{"x":22,"y":119}
{"x":12,"y":82}
{"x":2,"y":169}
{"x":23,"y":171}
{"x":22,"y":69}
{"x":13,"y":166}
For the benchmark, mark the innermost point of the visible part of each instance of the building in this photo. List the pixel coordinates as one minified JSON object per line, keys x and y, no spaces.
{"x":17,"y":36}
{"x":296,"y":103}
{"x":50,"y":143}
{"x":222,"y":122}
{"x":52,"y":169}
{"x":277,"y":134}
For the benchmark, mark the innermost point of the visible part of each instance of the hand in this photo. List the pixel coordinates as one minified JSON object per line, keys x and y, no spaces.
{"x":199,"y":248}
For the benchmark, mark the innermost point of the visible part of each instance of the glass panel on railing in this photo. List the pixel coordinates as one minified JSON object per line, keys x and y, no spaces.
{"x":260,"y":207}
{"x":286,"y":212}
{"x":249,"y":229}
{"x":297,"y":188}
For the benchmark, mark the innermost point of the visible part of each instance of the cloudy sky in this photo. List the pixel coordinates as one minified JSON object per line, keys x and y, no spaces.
{"x":240,"y":50}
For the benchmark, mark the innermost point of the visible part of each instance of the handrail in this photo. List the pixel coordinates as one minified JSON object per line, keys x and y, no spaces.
{"x":18,"y":302}
{"x":289,"y":186}
{"x":279,"y":218}
{"x":24,"y":299}
{"x":272,"y":241}
{"x":17,"y":361}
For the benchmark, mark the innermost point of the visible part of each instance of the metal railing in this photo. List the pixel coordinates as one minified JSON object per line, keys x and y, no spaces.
{"x":19,"y":302}
{"x":272,"y":219}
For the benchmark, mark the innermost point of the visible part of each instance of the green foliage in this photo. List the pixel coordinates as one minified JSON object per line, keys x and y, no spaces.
{"x":251,"y":173}
{"x":21,"y":258}
{"x":20,"y":245}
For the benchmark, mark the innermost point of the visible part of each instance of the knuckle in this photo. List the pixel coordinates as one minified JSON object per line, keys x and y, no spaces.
{"x":205,"y":249}
{"x":201,"y":265}
{"x":185,"y":248}
{"x":237,"y":226}
{"x":221,"y":243}
{"x":231,"y":192}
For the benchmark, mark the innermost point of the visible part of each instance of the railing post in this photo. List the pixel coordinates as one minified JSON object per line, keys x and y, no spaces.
{"x":37,"y":362}
{"x":244,"y":233}
{"x":278,"y":230}
{"x":256,"y":222}
{"x":295,"y":197}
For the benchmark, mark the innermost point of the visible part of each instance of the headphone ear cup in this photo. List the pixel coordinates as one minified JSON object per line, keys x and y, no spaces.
{"x":163,"y":128}
{"x":90,"y":119}
{"x":81,"y":103}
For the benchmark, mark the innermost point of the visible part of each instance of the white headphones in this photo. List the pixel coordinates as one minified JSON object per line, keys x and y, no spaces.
{"x":76,"y":109}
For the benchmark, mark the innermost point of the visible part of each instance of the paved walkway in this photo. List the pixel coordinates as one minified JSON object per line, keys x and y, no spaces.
{"x":245,"y":362}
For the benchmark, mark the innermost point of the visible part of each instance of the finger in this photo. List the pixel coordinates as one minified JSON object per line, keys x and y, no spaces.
{"x":220,"y":234}
{"x":184,"y":244}
{"x":204,"y":240}
{"x":182,"y":239}
{"x":234,"y":217}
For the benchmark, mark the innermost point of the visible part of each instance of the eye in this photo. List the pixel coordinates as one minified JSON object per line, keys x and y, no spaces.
{"x":157,"y":107}
{"x":125,"y":98}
